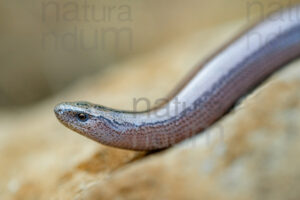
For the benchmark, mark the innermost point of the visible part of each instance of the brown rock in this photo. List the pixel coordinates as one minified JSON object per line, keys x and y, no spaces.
{"x":252,"y":153}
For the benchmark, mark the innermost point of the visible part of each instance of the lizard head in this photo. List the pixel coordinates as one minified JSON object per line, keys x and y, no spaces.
{"x":91,"y":120}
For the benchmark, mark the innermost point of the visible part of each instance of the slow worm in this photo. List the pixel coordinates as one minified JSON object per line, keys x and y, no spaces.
{"x":228,"y":75}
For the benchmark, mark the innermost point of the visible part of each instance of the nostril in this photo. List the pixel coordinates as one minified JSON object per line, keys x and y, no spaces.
{"x":58,"y":113}
{"x":58,"y":110}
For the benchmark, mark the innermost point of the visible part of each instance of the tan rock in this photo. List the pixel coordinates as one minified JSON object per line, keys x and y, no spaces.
{"x":252,"y":153}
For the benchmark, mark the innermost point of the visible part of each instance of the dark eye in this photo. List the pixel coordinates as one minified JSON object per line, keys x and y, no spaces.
{"x":82,"y":117}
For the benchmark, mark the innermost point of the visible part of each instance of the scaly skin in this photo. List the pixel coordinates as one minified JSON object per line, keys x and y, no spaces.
{"x":230,"y":74}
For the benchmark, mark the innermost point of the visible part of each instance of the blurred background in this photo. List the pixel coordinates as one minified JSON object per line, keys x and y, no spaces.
{"x":111,"y":52}
{"x":46,"y":45}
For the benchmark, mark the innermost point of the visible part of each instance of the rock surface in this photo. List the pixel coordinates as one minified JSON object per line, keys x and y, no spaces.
{"x":251,"y":153}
